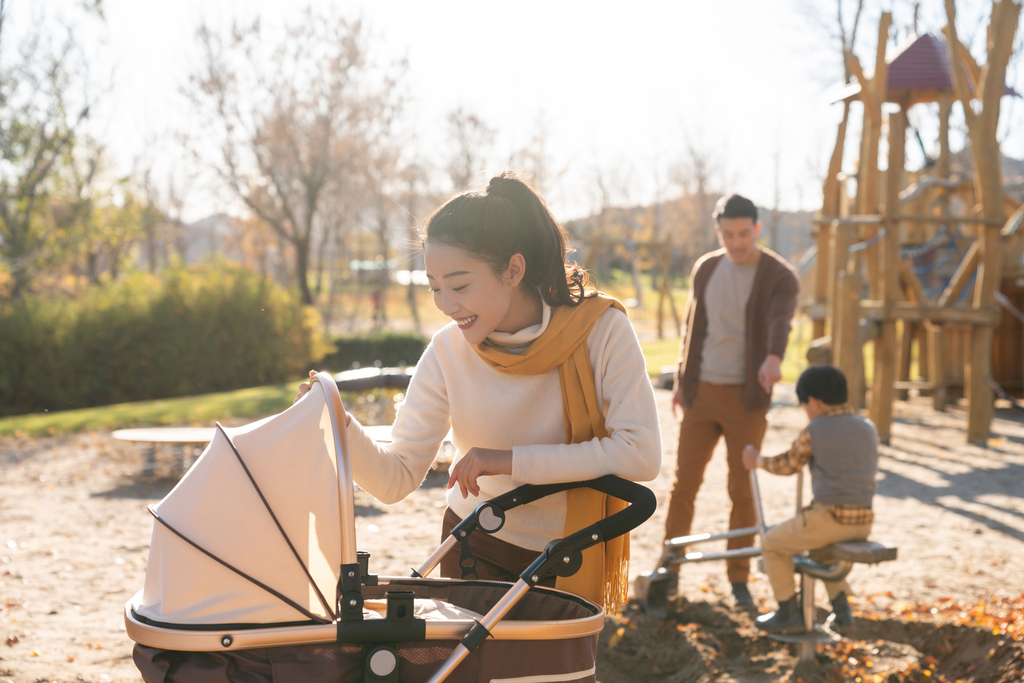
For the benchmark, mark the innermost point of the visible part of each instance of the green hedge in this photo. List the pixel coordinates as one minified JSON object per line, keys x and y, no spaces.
{"x":388,"y":348}
{"x":189,"y":331}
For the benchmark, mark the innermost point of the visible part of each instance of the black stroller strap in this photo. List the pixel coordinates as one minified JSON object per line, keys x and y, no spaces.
{"x":283,"y":598}
{"x":316,"y":588}
{"x":467,"y":563}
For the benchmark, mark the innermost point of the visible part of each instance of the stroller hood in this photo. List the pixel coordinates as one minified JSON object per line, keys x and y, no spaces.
{"x":252,"y":534}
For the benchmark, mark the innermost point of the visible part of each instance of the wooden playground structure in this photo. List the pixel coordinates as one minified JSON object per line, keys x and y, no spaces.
{"x":925,"y":265}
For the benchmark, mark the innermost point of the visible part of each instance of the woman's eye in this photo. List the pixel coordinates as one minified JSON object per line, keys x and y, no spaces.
{"x":435,"y":291}
{"x":459,"y":289}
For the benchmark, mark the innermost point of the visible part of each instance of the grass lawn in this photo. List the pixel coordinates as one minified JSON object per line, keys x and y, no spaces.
{"x":258,"y":402}
{"x":252,"y":402}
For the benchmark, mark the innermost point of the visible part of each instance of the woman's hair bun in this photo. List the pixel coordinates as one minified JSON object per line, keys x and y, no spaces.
{"x":501,"y":185}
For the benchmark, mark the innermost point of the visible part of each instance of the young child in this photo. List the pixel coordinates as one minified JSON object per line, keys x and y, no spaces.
{"x":842,"y":450}
{"x":541,"y":380}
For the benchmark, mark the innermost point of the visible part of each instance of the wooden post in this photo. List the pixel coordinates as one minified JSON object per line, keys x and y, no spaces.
{"x":839,"y":254}
{"x":872,"y":95}
{"x":906,"y":332}
{"x":846,"y":348}
{"x":923,"y":358}
{"x":885,"y":345}
{"x":936,"y":368}
{"x":824,"y":273}
{"x":982,"y":123}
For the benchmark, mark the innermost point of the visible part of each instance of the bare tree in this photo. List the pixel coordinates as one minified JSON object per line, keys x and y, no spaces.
{"x":535,"y":162}
{"x":292,"y":124}
{"x":471,"y":140}
{"x":699,"y":175}
{"x":39,"y":118}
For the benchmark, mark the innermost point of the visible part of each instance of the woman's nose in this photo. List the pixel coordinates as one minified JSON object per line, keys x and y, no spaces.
{"x":448,"y":305}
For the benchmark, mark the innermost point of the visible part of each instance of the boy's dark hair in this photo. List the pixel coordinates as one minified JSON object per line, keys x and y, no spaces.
{"x":735,"y":206}
{"x":827,"y":383}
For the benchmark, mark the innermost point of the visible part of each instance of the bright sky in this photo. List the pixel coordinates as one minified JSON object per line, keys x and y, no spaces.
{"x":619,"y":86}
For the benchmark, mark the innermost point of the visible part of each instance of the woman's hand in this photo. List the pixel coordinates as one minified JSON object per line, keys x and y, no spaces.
{"x":304,"y":389}
{"x":479,"y":462}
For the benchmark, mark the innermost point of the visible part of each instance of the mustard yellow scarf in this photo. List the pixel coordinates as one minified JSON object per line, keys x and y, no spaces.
{"x":604,"y":577}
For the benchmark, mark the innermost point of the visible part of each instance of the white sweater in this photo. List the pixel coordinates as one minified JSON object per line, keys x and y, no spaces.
{"x":453,"y":386}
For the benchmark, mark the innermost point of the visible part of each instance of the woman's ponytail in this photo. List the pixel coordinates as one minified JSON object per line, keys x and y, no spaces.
{"x":510,"y":218}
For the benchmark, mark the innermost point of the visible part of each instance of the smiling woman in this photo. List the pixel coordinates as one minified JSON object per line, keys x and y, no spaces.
{"x":540,"y":379}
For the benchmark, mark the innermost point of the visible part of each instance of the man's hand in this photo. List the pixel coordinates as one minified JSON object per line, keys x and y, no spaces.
{"x":770,"y":372}
{"x":677,"y":401}
{"x":304,"y":389}
{"x":479,"y":462}
{"x":750,"y":457}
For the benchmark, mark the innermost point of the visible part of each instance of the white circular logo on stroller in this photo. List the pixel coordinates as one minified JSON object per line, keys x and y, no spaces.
{"x":487,"y":520}
{"x":383,"y":662}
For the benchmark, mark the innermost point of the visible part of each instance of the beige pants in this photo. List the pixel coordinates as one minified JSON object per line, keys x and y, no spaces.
{"x":813,"y":528}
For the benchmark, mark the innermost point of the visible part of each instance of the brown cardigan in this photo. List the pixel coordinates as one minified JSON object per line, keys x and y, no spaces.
{"x":773,"y":299}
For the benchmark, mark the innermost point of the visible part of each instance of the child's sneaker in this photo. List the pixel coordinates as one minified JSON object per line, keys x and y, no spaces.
{"x":786,"y":619}
{"x":842,"y":617}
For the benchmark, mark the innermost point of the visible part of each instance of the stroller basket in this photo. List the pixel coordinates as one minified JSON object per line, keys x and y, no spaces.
{"x":254,"y":575}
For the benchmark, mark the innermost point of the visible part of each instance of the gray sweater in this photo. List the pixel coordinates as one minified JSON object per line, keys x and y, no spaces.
{"x":845,"y":460}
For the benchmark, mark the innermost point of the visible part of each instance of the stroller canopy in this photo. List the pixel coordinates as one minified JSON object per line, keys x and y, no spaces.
{"x":252,"y":534}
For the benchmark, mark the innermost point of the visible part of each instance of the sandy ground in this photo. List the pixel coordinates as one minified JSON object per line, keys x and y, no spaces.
{"x":74,"y":531}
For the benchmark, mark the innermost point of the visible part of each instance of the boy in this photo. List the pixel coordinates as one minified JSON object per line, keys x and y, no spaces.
{"x":842,"y":450}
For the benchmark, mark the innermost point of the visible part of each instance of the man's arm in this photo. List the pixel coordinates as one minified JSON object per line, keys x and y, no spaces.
{"x":781,"y":307}
{"x":684,"y":335}
{"x":790,"y":462}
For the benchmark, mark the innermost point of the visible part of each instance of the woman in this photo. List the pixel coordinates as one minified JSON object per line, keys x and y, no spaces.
{"x":525,"y":334}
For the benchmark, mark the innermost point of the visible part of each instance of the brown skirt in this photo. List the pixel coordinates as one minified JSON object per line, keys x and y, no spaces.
{"x":496,"y":560}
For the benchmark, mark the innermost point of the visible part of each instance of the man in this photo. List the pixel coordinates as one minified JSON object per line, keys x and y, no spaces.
{"x":742,"y":299}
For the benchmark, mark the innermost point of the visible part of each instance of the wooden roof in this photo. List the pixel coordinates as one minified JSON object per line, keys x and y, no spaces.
{"x":919,"y":71}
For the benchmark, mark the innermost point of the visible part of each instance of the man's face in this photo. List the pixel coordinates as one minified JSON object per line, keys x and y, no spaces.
{"x":738,"y":236}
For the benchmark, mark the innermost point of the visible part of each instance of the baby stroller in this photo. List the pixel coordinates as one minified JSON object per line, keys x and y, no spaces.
{"x":251,"y":542}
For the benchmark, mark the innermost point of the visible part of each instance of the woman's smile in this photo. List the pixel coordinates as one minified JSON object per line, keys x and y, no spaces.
{"x":463,"y":323}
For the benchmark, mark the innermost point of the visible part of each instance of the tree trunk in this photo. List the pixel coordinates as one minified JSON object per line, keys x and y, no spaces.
{"x":302,"y":270}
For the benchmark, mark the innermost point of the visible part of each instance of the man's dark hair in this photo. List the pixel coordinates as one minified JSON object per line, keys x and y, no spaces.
{"x":735,"y":206}
{"x":827,"y":383}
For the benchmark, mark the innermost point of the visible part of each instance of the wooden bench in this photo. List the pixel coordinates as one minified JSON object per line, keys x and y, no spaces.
{"x":187,"y":437}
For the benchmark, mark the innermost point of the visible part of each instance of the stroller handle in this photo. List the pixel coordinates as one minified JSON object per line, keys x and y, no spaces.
{"x":641,"y":499}
{"x":563,"y":557}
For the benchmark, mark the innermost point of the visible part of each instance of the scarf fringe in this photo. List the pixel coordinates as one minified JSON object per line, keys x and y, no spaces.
{"x":616,"y":588}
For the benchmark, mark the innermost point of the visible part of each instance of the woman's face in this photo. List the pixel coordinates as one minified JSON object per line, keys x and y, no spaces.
{"x":467,"y":290}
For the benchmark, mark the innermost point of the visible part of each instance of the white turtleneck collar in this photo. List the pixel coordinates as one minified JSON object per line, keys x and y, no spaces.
{"x":517,"y":342}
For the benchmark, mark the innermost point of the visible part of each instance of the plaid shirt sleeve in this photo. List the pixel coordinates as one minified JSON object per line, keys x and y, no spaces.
{"x":793,"y":460}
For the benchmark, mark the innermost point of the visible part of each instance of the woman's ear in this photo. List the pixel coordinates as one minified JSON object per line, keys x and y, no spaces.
{"x":516,"y":270}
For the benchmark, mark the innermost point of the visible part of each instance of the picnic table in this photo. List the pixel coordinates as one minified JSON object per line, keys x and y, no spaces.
{"x":188,"y":437}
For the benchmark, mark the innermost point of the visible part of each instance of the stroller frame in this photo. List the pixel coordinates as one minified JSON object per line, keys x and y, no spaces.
{"x":562,"y":557}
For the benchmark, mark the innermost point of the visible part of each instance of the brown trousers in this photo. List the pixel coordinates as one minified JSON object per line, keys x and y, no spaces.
{"x":716,"y":411}
{"x":496,"y":560}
